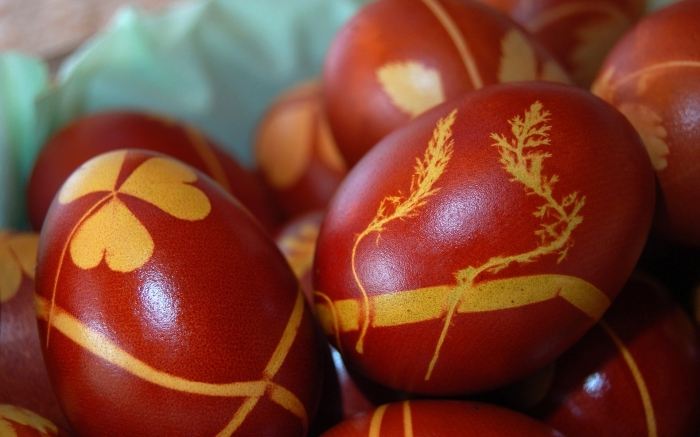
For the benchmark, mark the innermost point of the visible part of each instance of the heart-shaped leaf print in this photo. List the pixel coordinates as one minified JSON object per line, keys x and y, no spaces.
{"x":96,"y":175}
{"x":115,"y":234}
{"x":17,"y":255}
{"x":412,"y":87}
{"x":163,"y":183}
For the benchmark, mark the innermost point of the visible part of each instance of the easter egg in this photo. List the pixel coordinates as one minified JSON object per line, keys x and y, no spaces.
{"x":101,"y":132}
{"x":652,"y":75}
{"x":296,"y":240}
{"x":440,"y":418}
{"x":295,"y":150}
{"x":473,"y":246}
{"x":164,"y":308}
{"x":22,"y":422}
{"x":24,"y":382}
{"x":579,"y":34}
{"x":635,"y":373}
{"x":395,"y":59}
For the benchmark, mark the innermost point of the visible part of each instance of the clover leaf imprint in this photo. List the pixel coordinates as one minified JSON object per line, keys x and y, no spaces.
{"x":110,"y":230}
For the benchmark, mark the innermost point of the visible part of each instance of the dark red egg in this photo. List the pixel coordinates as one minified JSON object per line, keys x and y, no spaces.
{"x":652,"y":75}
{"x":440,"y":418}
{"x":295,"y":150}
{"x":395,"y":59}
{"x":22,"y":422}
{"x":636,"y":373}
{"x":164,"y":307}
{"x":24,"y":382}
{"x":297,"y":241}
{"x":579,"y":34}
{"x":102,"y":132}
{"x":476,"y":244}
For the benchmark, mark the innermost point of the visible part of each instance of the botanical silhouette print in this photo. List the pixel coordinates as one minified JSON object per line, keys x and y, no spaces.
{"x":646,"y":119}
{"x":522,"y":157}
{"x":109,"y":230}
{"x":415,"y":87}
{"x":17,"y":257}
{"x":22,"y":416}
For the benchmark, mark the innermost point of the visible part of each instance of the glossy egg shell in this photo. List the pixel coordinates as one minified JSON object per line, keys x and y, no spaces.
{"x":637,"y":372}
{"x":296,"y":152}
{"x":448,"y":264}
{"x":164,"y":308}
{"x":395,"y":59}
{"x":652,"y":76}
{"x":101,"y":132}
{"x":440,"y":418}
{"x":579,"y":34}
{"x":24,"y":382}
{"x":22,"y":422}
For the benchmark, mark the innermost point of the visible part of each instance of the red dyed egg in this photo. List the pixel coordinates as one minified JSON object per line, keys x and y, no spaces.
{"x":395,"y":59}
{"x":579,"y":34}
{"x":636,"y":373}
{"x":440,"y":418}
{"x":296,"y":152}
{"x":23,"y":379}
{"x":297,"y":241}
{"x":478,"y":243}
{"x":164,"y":308}
{"x":653,"y":77}
{"x":21,"y":422}
{"x":102,"y":132}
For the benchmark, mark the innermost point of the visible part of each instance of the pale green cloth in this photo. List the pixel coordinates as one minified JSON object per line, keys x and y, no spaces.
{"x":215,"y":63}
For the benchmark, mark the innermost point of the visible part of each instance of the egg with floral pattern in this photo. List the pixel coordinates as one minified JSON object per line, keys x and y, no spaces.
{"x":164,"y":308}
{"x":473,"y":246}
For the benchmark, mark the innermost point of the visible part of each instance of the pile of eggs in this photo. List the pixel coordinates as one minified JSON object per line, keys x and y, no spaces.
{"x":480,"y":219}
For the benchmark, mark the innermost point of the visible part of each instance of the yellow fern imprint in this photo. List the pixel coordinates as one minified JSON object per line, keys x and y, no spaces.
{"x":426,"y":173}
{"x":560,"y":218}
{"x":22,"y":416}
{"x":109,"y":230}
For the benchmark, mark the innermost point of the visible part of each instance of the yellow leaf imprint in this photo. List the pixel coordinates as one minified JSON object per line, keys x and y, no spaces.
{"x":412,"y":87}
{"x":115,"y":234}
{"x":519,"y":61}
{"x":299,"y":248}
{"x":108,"y":229}
{"x":649,"y":126}
{"x":17,"y":255}
{"x":638,"y":379}
{"x":22,"y":416}
{"x":252,"y":391}
{"x":426,"y":173}
{"x":521,"y":159}
{"x":458,"y":40}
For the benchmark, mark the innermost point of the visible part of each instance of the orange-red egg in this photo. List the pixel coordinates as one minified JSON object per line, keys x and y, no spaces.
{"x":579,"y":34}
{"x":164,"y":308}
{"x":653,"y":76}
{"x":295,"y":150}
{"x":476,"y":244}
{"x":636,"y":373}
{"x":22,"y":422}
{"x":102,"y":132}
{"x":24,"y":382}
{"x":441,"y":418}
{"x":395,"y":59}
